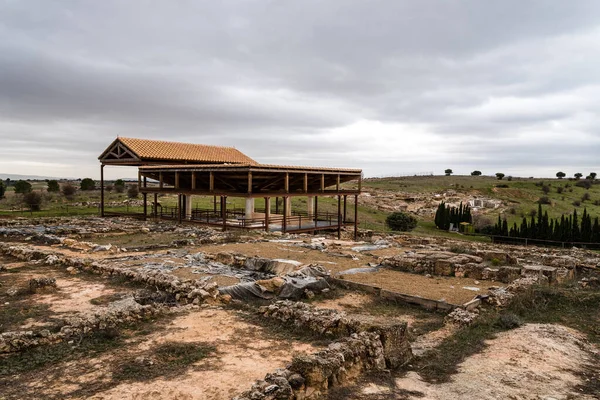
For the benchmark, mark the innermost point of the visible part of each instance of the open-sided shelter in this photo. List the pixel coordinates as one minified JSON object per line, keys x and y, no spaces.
{"x":188,"y":170}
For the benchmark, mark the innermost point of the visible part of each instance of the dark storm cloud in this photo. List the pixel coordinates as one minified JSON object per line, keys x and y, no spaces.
{"x":391,"y":86}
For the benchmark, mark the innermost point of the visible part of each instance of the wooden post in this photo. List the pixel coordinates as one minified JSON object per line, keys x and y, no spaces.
{"x":337,"y":183}
{"x":267,"y":212}
{"x":155,"y":205}
{"x":249,"y":182}
{"x":339,"y":217}
{"x":193,"y":180}
{"x":145,"y":182}
{"x":139,"y":179}
{"x":160,"y":180}
{"x":179,"y":207}
{"x":145,"y":196}
{"x":224,"y":212}
{"x":276,"y":205}
{"x":102,"y":190}
{"x":355,"y":217}
{"x":360,"y":183}
{"x":211,"y":183}
{"x":345,"y":201}
{"x":305,"y":183}
{"x":322,"y":182}
{"x":215,"y":204}
{"x":176,"y":180}
{"x":316,"y":211}
{"x":284,"y":224}
{"x":287,"y":182}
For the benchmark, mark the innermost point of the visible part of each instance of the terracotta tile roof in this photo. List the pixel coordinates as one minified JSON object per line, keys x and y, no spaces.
{"x":161,"y":150}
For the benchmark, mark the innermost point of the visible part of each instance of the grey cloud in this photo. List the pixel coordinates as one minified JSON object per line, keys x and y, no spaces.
{"x":275,"y":78}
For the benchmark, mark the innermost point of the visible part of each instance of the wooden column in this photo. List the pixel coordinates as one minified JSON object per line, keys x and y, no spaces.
{"x":284,"y":223}
{"x":267,"y":212}
{"x":102,"y":190}
{"x":355,"y":217}
{"x":145,"y":182}
{"x":224,"y":212}
{"x":193,"y":180}
{"x":179,"y":207}
{"x":211,"y":184}
{"x":139,"y":180}
{"x":305,"y":183}
{"x":339,"y":217}
{"x":145,"y":197}
{"x":316,"y":211}
{"x":337,"y":183}
{"x":345,"y":202}
{"x":160,"y":180}
{"x":322,"y":182}
{"x":249,"y":182}
{"x":176,"y":180}
{"x":155,"y":205}
{"x":287,"y":182}
{"x":276,"y":205}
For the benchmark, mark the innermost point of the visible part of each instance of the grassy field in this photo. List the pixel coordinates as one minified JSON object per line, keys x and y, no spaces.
{"x":521,"y":194}
{"x":520,"y":198}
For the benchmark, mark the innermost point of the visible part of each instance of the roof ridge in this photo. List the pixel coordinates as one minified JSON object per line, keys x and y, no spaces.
{"x":176,"y":142}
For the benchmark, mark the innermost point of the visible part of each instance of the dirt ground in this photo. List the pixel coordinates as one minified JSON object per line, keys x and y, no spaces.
{"x":244,"y":352}
{"x":533,"y":362}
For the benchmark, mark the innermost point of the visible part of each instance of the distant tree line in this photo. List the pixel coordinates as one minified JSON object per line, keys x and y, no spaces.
{"x":564,"y":229}
{"x":446,"y":215}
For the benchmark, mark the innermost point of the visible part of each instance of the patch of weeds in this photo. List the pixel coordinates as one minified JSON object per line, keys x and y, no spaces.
{"x":460,"y":250}
{"x":38,"y":357}
{"x":508,"y":321}
{"x":166,"y":360}
{"x":495,"y":262}
{"x":107,"y":299}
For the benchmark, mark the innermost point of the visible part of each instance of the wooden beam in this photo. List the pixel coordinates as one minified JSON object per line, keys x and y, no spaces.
{"x":337,"y":184}
{"x":176,"y":180}
{"x":322,"y":182}
{"x":193,"y":180}
{"x":211,"y":185}
{"x":305,"y":183}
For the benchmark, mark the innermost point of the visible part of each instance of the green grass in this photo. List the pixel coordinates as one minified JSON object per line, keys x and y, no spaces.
{"x":521,"y":195}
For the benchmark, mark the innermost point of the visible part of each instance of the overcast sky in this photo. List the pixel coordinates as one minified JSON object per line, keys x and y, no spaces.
{"x":389,"y":86}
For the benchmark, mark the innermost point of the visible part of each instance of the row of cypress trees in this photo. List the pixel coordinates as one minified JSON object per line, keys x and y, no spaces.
{"x":564,"y":229}
{"x":446,"y":215}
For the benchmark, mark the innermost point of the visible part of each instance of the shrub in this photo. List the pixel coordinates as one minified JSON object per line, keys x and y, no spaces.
{"x":87,"y":184}
{"x":33,"y":200}
{"x":119,"y":186}
{"x":499,"y":175}
{"x":68,"y":190}
{"x":53,"y":186}
{"x":585,"y":197}
{"x":448,"y":172}
{"x":509,"y":178}
{"x":22,"y":187}
{"x":108,"y":188}
{"x":476,"y":173}
{"x":133,"y":192}
{"x":560,"y":175}
{"x":508,"y":321}
{"x":400,"y":221}
{"x":597,"y":202}
{"x":586,"y":184}
{"x":546,"y":189}
{"x":578,"y":175}
{"x":2,"y":189}
{"x":502,"y":186}
{"x":532,"y":213}
{"x":577,"y":203}
{"x":559,"y":190}
{"x":544,"y":200}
